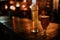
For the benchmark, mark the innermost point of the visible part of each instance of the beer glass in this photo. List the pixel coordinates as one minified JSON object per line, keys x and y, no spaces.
{"x":44,"y":23}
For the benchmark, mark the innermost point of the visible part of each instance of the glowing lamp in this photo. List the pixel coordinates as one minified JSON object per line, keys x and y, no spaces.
{"x":17,"y":4}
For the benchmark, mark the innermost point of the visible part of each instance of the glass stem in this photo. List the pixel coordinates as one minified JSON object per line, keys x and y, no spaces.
{"x":44,"y":34}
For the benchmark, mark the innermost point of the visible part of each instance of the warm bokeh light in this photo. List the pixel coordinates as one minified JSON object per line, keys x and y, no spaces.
{"x":17,"y":4}
{"x":12,"y":7}
{"x":11,"y":2}
{"x":31,"y":6}
{"x":23,"y":6}
{"x":37,"y":30}
{"x":6,"y":6}
{"x":24,"y":0}
{"x":25,"y":9}
{"x":33,"y":31}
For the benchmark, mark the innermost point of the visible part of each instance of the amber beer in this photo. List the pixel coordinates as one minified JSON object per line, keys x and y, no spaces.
{"x":44,"y":21}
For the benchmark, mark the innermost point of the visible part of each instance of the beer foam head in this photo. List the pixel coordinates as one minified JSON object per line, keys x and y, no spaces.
{"x":44,"y":16}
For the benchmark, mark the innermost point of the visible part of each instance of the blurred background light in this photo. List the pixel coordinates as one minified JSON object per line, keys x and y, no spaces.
{"x":33,"y":31}
{"x":23,"y":6}
{"x":12,"y":7}
{"x":30,"y":7}
{"x":17,"y":4}
{"x":34,"y":2}
{"x":11,"y":2}
{"x":6,"y":6}
{"x":25,"y":9}
{"x":24,"y":0}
